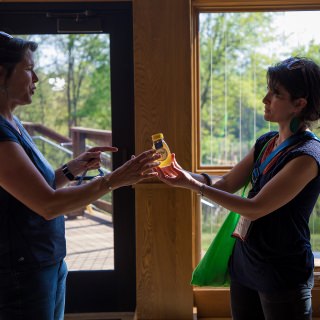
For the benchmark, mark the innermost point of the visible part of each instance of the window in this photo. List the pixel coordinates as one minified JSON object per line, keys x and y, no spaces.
{"x":235,"y":49}
{"x":215,"y":302}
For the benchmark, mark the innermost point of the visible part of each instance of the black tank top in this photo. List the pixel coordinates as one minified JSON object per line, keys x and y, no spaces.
{"x":277,"y":254}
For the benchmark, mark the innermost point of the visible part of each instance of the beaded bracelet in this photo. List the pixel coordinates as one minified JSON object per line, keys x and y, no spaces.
{"x":67,"y":173}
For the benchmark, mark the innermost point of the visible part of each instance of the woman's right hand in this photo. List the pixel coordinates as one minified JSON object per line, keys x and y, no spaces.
{"x":176,"y":176}
{"x":136,"y":169}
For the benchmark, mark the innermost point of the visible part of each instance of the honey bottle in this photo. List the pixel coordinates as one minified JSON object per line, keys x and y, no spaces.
{"x":162,"y":148}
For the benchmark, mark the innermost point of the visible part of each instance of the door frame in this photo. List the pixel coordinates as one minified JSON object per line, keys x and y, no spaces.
{"x":110,"y":290}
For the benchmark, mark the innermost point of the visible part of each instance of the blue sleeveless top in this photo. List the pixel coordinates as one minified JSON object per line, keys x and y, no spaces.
{"x":27,"y":240}
{"x":277,"y":254}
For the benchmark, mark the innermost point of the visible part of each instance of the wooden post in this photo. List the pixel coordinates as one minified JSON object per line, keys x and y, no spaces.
{"x":163,"y":98}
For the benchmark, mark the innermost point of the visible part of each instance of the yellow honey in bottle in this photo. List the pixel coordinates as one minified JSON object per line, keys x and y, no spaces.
{"x":162,"y":148}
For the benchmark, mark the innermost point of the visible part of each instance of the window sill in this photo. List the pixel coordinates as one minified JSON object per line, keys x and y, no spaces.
{"x":215,"y":302}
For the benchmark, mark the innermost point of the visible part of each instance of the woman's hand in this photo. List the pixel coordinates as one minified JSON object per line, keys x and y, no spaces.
{"x":89,"y":160}
{"x":136,"y":169}
{"x":175,"y":176}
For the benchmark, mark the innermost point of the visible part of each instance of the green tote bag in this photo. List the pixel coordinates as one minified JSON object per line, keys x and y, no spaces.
{"x":212,"y":269}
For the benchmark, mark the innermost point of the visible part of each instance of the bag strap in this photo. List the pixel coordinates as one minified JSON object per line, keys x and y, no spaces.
{"x":285,"y":144}
{"x":259,"y":156}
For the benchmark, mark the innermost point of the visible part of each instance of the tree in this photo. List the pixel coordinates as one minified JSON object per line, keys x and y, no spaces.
{"x":231,"y":80}
{"x":74,"y":86}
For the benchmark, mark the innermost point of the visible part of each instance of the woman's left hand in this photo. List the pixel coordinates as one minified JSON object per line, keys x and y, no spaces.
{"x":89,"y":160}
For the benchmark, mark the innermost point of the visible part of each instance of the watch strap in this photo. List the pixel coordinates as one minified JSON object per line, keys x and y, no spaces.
{"x":67,"y":173}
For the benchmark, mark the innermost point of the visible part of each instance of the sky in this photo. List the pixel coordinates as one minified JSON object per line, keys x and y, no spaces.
{"x":302,"y":25}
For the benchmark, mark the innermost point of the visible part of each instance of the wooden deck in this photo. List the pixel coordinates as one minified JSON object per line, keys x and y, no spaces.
{"x":90,"y":244}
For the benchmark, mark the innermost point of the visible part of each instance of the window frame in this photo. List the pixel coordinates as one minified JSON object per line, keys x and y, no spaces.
{"x":214,"y":302}
{"x":203,"y":6}
{"x":99,"y":290}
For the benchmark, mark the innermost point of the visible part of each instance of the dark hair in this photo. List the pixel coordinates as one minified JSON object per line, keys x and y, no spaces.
{"x":12,"y":51}
{"x":300,"y":76}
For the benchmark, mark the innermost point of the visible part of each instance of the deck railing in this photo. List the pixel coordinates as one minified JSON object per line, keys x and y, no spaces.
{"x":80,"y":140}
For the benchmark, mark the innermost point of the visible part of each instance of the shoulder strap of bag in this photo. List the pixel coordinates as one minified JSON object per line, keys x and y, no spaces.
{"x":288,"y":142}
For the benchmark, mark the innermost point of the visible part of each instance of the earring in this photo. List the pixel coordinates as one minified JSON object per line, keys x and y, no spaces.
{"x":294,"y":124}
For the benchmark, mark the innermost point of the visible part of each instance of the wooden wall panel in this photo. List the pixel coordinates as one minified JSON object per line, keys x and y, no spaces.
{"x":316,"y":302}
{"x":162,"y":57}
{"x":212,"y":303}
{"x":163,"y":254}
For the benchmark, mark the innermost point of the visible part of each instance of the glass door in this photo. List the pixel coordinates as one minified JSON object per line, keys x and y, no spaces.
{"x":84,"y":98}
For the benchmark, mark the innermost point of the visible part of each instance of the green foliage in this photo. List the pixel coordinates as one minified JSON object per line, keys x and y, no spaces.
{"x":74,"y":86}
{"x":232,"y":83}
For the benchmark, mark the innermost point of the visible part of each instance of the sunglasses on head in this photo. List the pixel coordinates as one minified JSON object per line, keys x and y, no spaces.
{"x":294,"y":64}
{"x":5,"y":36}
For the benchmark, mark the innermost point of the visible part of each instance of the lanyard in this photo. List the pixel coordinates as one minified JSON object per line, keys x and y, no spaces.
{"x":288,"y":142}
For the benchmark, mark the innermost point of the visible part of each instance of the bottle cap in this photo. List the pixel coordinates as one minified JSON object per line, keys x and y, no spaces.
{"x":157,"y":136}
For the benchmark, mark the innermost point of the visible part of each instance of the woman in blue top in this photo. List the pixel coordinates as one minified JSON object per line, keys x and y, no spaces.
{"x":272,"y":264}
{"x":32,"y":200}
